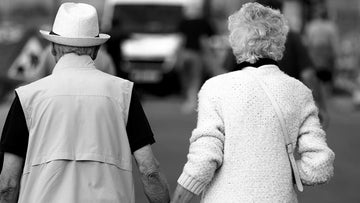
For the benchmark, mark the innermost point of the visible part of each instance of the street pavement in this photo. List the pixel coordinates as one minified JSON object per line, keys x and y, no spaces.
{"x":172,"y":130}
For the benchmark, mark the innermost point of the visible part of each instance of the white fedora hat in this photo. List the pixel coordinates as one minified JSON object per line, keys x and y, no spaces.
{"x":76,"y":24}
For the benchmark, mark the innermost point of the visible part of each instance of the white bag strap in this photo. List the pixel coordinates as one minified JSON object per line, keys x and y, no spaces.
{"x":289,"y":144}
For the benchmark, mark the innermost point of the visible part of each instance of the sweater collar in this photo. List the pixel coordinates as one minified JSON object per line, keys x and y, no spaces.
{"x":258,"y":63}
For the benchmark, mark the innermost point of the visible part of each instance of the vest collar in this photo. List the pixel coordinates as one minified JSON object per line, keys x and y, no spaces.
{"x":74,"y":62}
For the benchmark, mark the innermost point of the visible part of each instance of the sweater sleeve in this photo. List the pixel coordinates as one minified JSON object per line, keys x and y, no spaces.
{"x":206,"y":144}
{"x":316,"y":158}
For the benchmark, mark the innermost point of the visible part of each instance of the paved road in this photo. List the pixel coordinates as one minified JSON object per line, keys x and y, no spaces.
{"x":172,"y":130}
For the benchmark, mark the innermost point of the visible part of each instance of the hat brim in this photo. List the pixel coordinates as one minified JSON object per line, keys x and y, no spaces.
{"x":77,"y":42}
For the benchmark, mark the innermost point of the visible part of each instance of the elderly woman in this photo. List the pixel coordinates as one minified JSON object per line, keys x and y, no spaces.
{"x":237,"y":151}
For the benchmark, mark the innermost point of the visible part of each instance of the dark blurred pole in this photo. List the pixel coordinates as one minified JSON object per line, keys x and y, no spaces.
{"x":207,"y":9}
{"x":55,"y":7}
{"x":6,"y":10}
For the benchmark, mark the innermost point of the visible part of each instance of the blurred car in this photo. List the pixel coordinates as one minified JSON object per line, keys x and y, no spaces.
{"x":149,"y":53}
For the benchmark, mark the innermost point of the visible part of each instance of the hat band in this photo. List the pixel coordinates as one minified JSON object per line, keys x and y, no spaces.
{"x":53,"y":33}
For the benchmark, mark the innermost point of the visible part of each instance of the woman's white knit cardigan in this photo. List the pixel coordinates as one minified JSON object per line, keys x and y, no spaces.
{"x":237,"y":151}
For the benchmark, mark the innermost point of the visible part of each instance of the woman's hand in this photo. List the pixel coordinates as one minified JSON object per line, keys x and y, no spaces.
{"x":182,"y":195}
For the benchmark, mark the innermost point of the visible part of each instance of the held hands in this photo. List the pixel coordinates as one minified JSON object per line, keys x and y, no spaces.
{"x":182,"y":195}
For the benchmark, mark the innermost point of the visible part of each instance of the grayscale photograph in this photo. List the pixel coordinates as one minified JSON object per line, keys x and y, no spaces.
{"x":179,"y":101}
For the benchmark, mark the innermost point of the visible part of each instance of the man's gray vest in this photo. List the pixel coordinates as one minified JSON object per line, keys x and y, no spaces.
{"x":77,"y":116}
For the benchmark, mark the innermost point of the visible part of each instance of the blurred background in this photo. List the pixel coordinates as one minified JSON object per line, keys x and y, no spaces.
{"x":148,"y":46}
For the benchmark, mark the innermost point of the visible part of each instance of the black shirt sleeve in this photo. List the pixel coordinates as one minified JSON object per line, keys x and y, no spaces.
{"x":138,"y":128}
{"x":15,"y":134}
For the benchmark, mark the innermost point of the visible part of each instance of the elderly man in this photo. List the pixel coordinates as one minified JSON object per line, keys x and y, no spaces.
{"x":69,"y":136}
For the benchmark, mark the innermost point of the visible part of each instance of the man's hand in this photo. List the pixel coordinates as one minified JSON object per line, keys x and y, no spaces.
{"x":182,"y":195}
{"x":155,"y":185}
{"x":10,"y":178}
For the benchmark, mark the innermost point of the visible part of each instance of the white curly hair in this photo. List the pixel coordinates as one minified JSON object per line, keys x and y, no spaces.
{"x":257,"y":32}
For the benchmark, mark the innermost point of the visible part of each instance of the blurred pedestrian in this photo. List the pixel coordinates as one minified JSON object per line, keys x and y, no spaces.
{"x":69,"y":136}
{"x":321,"y":36}
{"x":239,"y":151}
{"x":348,"y":63}
{"x":194,"y":29}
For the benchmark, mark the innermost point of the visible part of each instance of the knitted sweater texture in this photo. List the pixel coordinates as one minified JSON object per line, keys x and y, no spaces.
{"x":237,"y":151}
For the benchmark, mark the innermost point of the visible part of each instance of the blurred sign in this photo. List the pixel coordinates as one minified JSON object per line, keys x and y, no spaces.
{"x":27,"y":60}
{"x":20,"y":50}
